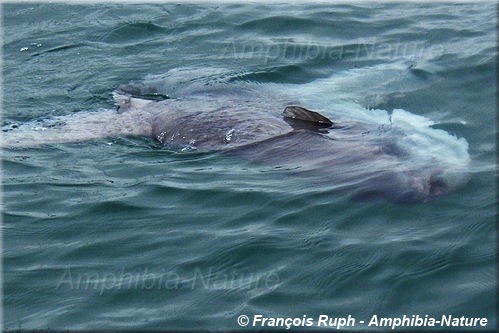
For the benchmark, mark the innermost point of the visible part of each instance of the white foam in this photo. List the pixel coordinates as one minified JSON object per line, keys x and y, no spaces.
{"x":433,"y":147}
{"x":341,"y":95}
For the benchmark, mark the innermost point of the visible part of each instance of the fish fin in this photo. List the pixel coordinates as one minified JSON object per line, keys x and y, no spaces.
{"x":299,"y":113}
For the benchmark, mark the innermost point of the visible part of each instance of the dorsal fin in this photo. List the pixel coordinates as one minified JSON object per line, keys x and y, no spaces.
{"x":299,"y":113}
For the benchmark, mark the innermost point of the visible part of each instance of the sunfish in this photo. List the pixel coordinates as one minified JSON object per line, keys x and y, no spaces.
{"x":356,"y":157}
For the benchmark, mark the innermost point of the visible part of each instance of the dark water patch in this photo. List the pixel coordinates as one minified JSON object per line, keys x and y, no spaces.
{"x":435,"y":17}
{"x":114,"y":207}
{"x":351,"y":12}
{"x":133,"y":32}
{"x":281,"y":74}
{"x":12,"y":218}
{"x":420,"y":73}
{"x":274,"y":25}
{"x":20,"y":162}
{"x":454,"y":128}
{"x":139,"y":90}
{"x":442,"y":35}
{"x":58,"y":49}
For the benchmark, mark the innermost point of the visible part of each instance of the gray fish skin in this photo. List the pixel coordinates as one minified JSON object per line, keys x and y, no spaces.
{"x":208,"y":122}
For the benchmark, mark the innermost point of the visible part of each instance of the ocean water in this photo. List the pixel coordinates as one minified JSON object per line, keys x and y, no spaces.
{"x":123,"y":233}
